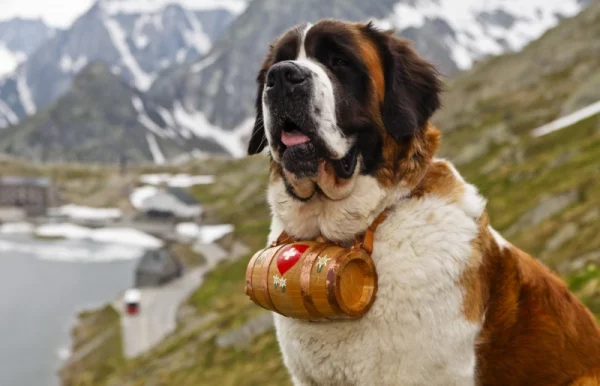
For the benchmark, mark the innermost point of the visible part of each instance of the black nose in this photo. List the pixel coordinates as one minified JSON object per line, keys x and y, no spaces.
{"x":285,"y":75}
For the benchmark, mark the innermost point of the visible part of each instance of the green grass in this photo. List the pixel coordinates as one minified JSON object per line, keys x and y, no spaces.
{"x":586,"y":284}
{"x":101,"y":329}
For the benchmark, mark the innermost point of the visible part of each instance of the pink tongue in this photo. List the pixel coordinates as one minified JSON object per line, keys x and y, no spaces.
{"x":293,"y":138}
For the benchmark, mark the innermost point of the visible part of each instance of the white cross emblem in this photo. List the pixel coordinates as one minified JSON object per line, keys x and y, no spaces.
{"x":290,"y":253}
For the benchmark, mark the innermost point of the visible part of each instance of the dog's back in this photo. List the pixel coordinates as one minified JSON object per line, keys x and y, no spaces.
{"x":535,"y":331}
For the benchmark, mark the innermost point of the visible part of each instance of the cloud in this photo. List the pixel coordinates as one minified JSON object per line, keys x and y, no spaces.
{"x":57,"y":13}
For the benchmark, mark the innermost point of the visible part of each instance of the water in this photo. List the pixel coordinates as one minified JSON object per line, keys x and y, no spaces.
{"x":42,"y":287}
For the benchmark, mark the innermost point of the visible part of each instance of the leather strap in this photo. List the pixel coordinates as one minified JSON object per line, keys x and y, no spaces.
{"x":369,"y":237}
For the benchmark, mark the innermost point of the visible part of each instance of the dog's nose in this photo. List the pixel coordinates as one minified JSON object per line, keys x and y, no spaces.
{"x":285,"y":75}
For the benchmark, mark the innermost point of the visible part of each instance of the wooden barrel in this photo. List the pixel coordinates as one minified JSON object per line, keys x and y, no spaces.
{"x":312,"y":280}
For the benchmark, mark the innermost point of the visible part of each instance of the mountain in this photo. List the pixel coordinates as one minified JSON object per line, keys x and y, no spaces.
{"x":100,"y":119}
{"x":136,"y":38}
{"x":18,"y":39}
{"x":151,"y":45}
{"x":220,"y":86}
{"x":455,"y":35}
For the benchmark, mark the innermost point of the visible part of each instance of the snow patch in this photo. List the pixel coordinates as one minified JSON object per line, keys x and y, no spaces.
{"x":145,"y":120}
{"x":65,"y":251}
{"x":166,"y":116}
{"x":149,"y":6}
{"x":568,"y":120}
{"x":141,"y":41}
{"x":68,"y":65}
{"x":138,"y":105}
{"x":77,"y":212}
{"x":9,"y":60}
{"x":25,"y":94}
{"x":212,"y":233}
{"x":176,"y":180}
{"x":157,"y":154}
{"x":205,"y":234}
{"x":7,"y":113}
{"x":244,"y":129}
{"x":205,"y":62}
{"x":118,"y":236}
{"x":197,"y":123}
{"x":63,"y":231}
{"x":142,"y":80}
{"x":125,"y":236}
{"x":16,"y":228}
{"x":196,"y":37}
{"x":475,"y":38}
{"x":189,"y":230}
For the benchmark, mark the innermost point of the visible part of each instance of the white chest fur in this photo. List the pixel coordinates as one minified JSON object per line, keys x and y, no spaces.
{"x":416,"y":333}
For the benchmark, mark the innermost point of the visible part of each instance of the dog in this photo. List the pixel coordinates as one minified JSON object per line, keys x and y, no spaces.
{"x":344,"y":111}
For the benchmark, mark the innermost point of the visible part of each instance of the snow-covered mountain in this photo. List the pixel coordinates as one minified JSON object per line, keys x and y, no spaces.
{"x":207,"y":103}
{"x":468,"y":30}
{"x":99,"y":118}
{"x":18,"y":39}
{"x":218,"y":90}
{"x":137,"y":39}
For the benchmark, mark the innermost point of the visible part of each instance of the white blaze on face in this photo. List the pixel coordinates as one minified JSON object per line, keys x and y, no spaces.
{"x":322,"y":106}
{"x":267,"y":125}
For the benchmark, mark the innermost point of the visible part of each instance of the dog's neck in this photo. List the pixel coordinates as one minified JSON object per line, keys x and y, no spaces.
{"x":341,"y":220}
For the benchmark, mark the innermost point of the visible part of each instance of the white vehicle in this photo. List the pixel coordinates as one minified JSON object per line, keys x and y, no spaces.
{"x":132,"y":299}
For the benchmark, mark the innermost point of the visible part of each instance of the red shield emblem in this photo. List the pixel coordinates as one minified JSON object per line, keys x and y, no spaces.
{"x":289,"y":256}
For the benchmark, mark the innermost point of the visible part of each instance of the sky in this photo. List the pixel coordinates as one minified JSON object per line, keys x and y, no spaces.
{"x":57,"y":13}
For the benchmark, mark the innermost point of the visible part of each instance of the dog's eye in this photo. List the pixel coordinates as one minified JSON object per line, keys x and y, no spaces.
{"x":337,"y":61}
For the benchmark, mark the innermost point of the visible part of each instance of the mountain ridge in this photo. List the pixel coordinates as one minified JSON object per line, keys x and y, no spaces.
{"x":210,"y":100}
{"x":135,"y":45}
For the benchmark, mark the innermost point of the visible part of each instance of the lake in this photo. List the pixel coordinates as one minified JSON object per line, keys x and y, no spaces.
{"x":43,"y":285}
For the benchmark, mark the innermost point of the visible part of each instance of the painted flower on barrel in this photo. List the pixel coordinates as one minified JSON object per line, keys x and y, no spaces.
{"x":279,"y":282}
{"x":322,"y":262}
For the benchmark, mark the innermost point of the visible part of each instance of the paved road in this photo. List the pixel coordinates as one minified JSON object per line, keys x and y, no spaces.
{"x":158,"y":308}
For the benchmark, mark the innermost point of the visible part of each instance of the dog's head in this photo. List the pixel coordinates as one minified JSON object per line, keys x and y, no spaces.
{"x":338,"y":100}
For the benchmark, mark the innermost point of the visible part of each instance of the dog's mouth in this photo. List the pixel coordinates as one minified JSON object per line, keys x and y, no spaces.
{"x":301,"y":154}
{"x":291,"y":135}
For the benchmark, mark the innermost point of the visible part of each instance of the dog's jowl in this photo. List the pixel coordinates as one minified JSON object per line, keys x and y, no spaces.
{"x":344,"y":110}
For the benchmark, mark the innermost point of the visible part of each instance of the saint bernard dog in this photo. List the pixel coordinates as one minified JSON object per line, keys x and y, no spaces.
{"x":344,"y":110}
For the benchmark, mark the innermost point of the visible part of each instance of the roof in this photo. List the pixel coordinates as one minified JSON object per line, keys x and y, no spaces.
{"x":158,"y":261}
{"x":132,"y":295}
{"x":30,"y":181}
{"x":183,"y":196}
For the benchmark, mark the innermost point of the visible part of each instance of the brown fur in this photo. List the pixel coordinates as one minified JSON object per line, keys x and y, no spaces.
{"x":535,"y":331}
{"x":406,"y":163}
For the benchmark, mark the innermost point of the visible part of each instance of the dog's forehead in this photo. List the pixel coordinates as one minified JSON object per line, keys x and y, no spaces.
{"x":331,"y":31}
{"x":304,"y":36}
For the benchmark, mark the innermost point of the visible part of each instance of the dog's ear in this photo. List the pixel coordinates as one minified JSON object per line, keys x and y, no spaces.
{"x":258,"y":140}
{"x":412,"y":86}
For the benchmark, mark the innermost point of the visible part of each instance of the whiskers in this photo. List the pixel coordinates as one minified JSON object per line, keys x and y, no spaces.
{"x":259,"y":122}
{"x":337,"y":103}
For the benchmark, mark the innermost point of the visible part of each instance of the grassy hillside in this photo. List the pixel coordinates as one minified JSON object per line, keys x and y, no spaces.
{"x":544,"y":195}
{"x":557,"y":165}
